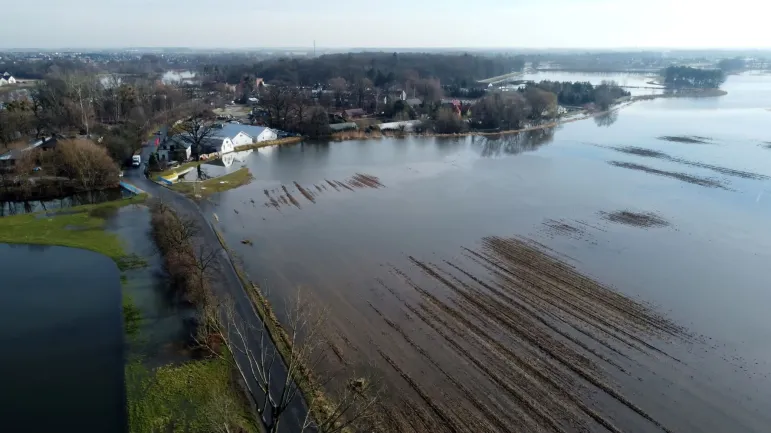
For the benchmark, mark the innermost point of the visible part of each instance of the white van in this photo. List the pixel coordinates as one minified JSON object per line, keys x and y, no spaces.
{"x":136,"y":160}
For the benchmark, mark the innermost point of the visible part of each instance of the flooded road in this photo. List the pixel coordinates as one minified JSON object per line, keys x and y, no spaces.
{"x":480,"y":276}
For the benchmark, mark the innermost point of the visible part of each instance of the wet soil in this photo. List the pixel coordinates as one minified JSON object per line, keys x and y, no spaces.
{"x":691,"y":139}
{"x":634,"y":219}
{"x":684,"y":177}
{"x":536,"y":339}
{"x":357,"y":181}
{"x":648,"y":153}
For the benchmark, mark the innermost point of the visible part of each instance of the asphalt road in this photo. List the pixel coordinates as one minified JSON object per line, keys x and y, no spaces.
{"x":225,"y":285}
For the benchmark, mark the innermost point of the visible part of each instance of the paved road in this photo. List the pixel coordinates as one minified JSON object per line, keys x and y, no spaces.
{"x":227,"y":285}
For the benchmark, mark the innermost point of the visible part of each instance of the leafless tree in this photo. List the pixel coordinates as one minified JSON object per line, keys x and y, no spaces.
{"x":304,"y":353}
{"x":339,"y":86}
{"x":196,"y":131}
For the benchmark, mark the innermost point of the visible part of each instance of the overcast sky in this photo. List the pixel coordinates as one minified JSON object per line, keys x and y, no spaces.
{"x":395,"y":23}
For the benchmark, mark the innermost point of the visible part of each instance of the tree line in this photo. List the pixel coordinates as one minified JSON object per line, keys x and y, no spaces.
{"x":582,"y":93}
{"x":383,"y":69}
{"x":686,"y":76}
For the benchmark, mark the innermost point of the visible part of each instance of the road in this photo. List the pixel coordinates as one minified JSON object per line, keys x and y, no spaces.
{"x":228,"y":285}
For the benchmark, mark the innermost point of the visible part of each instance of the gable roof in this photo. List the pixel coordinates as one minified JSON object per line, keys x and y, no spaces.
{"x":230,"y":130}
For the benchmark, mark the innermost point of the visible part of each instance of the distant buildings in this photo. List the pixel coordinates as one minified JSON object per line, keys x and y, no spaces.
{"x":6,"y":79}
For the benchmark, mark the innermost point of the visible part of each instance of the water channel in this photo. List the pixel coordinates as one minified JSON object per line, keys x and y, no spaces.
{"x":700,"y":166}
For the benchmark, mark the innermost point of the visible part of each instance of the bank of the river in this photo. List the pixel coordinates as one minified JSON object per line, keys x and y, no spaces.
{"x":164,"y":384}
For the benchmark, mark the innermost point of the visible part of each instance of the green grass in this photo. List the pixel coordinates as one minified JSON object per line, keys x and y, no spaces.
{"x":77,"y":227}
{"x":240,"y":177}
{"x":180,"y":168}
{"x":132,"y":317}
{"x":197,"y":396}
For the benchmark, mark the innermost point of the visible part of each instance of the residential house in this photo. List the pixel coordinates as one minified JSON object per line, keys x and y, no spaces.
{"x":10,"y":79}
{"x":348,"y":126}
{"x":48,"y":144}
{"x":216,"y":144}
{"x":174,"y":149}
{"x":3,"y":81}
{"x":241,"y":135}
{"x":8,"y":159}
{"x":395,"y":95}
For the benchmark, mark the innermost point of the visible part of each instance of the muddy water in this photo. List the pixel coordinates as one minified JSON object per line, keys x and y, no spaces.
{"x":679,"y":225}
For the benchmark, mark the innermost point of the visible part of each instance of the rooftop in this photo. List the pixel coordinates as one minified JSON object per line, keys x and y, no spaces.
{"x":230,"y":130}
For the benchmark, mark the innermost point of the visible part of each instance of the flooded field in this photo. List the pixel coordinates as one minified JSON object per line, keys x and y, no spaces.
{"x":603,"y":276}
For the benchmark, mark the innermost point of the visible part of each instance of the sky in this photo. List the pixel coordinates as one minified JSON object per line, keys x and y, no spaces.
{"x":395,"y":23}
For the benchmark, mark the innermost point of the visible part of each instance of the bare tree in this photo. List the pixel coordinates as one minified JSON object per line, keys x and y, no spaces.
{"x":196,"y":131}
{"x":338,"y":86}
{"x":304,"y":353}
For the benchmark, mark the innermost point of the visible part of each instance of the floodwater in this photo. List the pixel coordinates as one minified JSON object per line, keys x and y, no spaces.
{"x":408,"y":243}
{"x":61,"y":331}
{"x":31,"y":206}
{"x":165,"y":327}
{"x":637,"y":83}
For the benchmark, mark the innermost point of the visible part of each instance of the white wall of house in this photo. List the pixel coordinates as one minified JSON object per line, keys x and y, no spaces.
{"x":3,"y":81}
{"x":266,"y":135}
{"x":11,"y":80}
{"x":241,"y":139}
{"x":226,"y":146}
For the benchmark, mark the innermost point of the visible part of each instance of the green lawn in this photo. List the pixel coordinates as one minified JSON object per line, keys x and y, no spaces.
{"x":77,"y":227}
{"x":193,"y":397}
{"x":242,"y":176}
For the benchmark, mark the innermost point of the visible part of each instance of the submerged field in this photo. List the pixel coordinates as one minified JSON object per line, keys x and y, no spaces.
{"x":604,"y":276}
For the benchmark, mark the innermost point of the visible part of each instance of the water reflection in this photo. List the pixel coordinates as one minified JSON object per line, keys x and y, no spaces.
{"x":8,"y":208}
{"x":606,"y":119}
{"x":514,"y":144}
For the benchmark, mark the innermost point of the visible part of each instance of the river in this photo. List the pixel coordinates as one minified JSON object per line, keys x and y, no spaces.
{"x":62,"y":339}
{"x":665,"y":201}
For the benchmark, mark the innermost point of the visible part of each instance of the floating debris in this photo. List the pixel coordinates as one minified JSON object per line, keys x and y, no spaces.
{"x":246,"y":242}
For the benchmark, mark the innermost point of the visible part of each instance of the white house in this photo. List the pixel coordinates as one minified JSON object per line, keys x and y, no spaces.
{"x":217,"y":144}
{"x":11,"y":80}
{"x":3,"y":81}
{"x":241,"y":135}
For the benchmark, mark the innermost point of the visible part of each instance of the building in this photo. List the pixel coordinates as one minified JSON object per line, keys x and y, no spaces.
{"x":8,"y":159}
{"x":395,"y":95}
{"x":215,"y":144}
{"x":3,"y":81}
{"x":241,"y":135}
{"x":414,"y":102}
{"x":348,"y":126}
{"x":174,"y":149}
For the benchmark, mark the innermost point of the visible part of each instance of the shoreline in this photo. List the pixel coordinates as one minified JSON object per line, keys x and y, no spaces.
{"x":582,"y":115}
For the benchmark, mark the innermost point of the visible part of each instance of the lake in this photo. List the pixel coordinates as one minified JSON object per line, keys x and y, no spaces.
{"x":638,"y":84}
{"x":665,"y":201}
{"x":62,"y":338}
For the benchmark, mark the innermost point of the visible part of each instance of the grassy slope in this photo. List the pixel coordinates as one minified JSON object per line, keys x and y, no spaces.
{"x":193,"y":397}
{"x":77,"y":227}
{"x":213,"y":186}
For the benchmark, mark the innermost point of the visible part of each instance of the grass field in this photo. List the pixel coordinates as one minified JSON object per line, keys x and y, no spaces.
{"x":242,"y":176}
{"x":77,"y":227}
